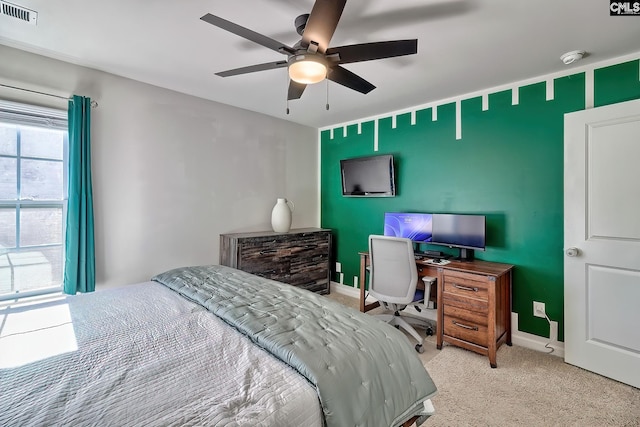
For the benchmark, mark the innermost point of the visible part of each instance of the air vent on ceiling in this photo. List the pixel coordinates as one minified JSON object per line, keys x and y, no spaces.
{"x":18,"y":12}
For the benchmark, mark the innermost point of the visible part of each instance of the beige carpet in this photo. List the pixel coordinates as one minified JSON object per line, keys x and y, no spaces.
{"x":529,"y":388}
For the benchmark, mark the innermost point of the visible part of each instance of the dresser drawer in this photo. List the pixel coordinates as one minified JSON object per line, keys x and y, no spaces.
{"x":274,"y":269}
{"x":275,"y":246}
{"x":311,"y":241}
{"x":265,"y":260}
{"x":308,"y":273}
{"x":320,"y":286}
{"x":463,"y":329}
{"x":300,"y":258}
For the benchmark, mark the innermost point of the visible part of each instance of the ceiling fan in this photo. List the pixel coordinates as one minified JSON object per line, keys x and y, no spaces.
{"x":311,"y":60}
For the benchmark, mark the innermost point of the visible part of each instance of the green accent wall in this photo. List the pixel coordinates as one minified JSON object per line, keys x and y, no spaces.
{"x":508,"y":165}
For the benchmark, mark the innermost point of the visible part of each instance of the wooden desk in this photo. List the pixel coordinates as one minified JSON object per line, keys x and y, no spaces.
{"x":473,"y":302}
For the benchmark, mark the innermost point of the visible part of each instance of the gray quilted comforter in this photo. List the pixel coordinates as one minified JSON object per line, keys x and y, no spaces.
{"x":140,"y":355}
{"x":366,"y":372}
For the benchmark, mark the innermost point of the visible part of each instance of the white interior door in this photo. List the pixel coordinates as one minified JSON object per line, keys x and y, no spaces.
{"x":602,"y":240}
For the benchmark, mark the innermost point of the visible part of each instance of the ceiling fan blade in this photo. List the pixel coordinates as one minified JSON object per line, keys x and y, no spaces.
{"x":252,"y":68}
{"x":371,"y":51}
{"x":247,"y":34}
{"x":347,"y":78}
{"x":322,"y":23}
{"x":295,"y":90}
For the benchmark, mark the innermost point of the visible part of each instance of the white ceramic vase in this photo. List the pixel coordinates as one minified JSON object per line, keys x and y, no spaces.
{"x":281,"y":215}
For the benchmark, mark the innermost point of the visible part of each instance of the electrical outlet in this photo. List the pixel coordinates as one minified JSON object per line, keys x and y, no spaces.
{"x":538,"y":309}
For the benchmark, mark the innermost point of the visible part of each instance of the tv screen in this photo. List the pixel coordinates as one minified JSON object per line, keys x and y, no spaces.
{"x":460,"y":231}
{"x":414,"y":226}
{"x":371,"y":176}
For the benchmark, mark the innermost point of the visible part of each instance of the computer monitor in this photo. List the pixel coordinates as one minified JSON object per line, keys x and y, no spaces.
{"x":414,"y":226}
{"x":466,"y":232}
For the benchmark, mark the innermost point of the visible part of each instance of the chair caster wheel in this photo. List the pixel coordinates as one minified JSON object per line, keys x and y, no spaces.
{"x":419,"y":348}
{"x":429,"y":332}
{"x":397,"y":326}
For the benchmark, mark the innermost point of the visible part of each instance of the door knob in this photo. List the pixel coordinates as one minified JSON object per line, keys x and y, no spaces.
{"x":572,"y":251}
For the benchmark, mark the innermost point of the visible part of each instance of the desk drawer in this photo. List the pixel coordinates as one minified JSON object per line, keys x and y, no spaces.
{"x":424,"y":270}
{"x":465,"y":315}
{"x":466,"y":285}
{"x":466,"y":303}
{"x":475,"y":332}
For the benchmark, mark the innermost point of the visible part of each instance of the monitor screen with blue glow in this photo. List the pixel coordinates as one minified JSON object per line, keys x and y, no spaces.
{"x":414,"y":226}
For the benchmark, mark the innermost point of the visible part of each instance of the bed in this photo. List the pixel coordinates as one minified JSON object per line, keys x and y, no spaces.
{"x":206,"y":346}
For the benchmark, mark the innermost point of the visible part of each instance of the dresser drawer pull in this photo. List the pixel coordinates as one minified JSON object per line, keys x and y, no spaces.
{"x":465,"y":288}
{"x":268,"y":251}
{"x":473,"y":328}
{"x":310,"y":246}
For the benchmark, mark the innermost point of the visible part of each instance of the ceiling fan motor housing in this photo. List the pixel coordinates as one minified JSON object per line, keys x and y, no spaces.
{"x":301,"y":22}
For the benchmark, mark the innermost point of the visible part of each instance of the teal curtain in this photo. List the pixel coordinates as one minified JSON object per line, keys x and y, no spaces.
{"x":79,"y":269}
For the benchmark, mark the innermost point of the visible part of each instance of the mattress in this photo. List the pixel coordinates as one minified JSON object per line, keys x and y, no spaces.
{"x":141,"y":355}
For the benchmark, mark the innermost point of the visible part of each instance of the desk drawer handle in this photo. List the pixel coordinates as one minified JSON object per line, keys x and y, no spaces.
{"x":473,"y":328}
{"x":465,"y":288}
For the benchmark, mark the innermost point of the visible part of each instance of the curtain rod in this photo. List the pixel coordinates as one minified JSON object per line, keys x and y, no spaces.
{"x":94,"y":104}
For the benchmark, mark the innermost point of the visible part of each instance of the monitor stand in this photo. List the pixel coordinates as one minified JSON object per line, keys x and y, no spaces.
{"x":466,"y":255}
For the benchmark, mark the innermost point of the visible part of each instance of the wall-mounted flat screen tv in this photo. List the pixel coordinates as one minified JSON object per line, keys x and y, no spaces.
{"x":414,"y":226}
{"x":371,"y":176}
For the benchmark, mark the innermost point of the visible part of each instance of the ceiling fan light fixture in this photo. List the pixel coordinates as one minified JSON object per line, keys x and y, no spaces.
{"x":307,"y":69}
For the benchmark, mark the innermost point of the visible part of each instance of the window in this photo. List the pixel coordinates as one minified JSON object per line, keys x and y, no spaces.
{"x":33,"y":183}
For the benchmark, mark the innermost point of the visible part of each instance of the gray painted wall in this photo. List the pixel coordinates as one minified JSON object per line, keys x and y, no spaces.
{"x":172,"y":171}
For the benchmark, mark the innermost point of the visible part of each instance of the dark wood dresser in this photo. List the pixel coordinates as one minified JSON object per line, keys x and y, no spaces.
{"x":301,"y":257}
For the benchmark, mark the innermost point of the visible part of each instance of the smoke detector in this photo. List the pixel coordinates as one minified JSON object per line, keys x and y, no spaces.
{"x":571,"y":57}
{"x":18,"y":12}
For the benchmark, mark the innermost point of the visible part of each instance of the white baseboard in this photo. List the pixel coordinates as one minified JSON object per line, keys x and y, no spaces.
{"x":522,"y":339}
{"x":350,"y":291}
{"x":534,"y":342}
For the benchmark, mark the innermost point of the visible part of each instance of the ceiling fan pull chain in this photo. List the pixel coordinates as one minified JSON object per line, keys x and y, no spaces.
{"x":327,"y":106}
{"x":287,"y":96}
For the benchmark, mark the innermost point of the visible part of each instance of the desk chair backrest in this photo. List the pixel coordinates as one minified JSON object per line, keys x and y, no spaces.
{"x":393,"y":273}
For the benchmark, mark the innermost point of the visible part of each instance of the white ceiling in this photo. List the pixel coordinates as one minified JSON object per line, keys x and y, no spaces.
{"x":463,"y":46}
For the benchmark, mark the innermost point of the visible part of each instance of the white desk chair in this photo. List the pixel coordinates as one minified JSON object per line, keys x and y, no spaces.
{"x":393,"y":281}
